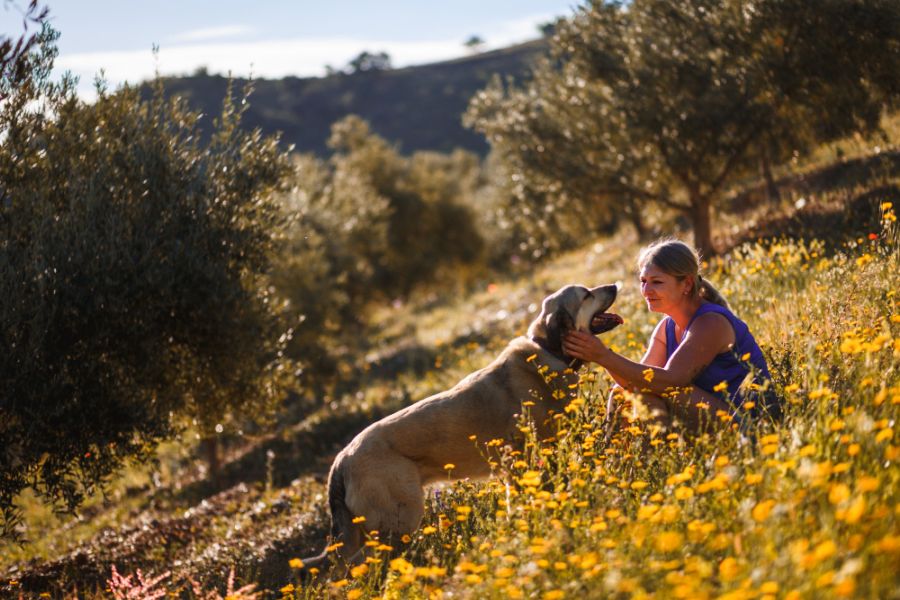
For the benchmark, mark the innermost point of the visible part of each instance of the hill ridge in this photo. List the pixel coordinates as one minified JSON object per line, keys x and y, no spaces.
{"x":417,"y":107}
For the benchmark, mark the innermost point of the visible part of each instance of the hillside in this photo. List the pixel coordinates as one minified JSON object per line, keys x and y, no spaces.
{"x":417,"y":108}
{"x":809,"y":511}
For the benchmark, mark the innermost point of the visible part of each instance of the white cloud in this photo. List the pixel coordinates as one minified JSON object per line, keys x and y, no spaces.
{"x":212,"y":33}
{"x":516,"y":30}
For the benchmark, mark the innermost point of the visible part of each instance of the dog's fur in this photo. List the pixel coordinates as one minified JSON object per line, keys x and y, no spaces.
{"x":380,"y":475}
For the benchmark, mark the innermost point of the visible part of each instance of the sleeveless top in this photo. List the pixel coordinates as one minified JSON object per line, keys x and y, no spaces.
{"x":728,"y":366}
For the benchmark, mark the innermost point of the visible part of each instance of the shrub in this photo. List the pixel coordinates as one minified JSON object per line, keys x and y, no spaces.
{"x":132,"y":271}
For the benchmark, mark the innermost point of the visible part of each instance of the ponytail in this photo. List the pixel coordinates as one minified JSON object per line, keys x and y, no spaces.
{"x":710,"y":293}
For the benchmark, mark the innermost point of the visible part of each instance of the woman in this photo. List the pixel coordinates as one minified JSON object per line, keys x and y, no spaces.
{"x":699,"y":356}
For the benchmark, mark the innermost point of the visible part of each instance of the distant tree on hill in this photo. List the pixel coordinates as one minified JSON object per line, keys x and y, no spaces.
{"x":133,"y":272}
{"x":368,"y":61}
{"x":547,"y":29}
{"x":474,"y":44}
{"x":670,"y":103}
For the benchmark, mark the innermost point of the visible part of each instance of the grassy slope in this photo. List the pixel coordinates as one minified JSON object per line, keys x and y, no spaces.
{"x":812,"y":509}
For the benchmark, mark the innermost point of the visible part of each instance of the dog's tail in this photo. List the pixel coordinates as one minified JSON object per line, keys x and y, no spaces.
{"x":343,"y":530}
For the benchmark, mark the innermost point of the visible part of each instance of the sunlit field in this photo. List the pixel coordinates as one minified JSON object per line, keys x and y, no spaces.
{"x":804,"y":508}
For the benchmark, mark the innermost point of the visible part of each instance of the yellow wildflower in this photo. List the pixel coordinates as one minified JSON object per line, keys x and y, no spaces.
{"x":668,"y":541}
{"x":762,"y":510}
{"x":729,"y":569}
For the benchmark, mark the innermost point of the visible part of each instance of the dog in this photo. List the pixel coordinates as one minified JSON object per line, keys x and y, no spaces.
{"x":381,"y":474}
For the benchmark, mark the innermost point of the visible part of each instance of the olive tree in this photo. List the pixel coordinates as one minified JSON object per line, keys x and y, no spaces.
{"x":671,"y":102}
{"x":133,"y":266}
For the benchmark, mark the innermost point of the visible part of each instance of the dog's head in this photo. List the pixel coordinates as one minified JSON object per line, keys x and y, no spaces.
{"x":574,"y":307}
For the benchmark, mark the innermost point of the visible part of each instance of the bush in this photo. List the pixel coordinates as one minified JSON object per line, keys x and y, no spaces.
{"x":132,"y":271}
{"x":369,"y":225}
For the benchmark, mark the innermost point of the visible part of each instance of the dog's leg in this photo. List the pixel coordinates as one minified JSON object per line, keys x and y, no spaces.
{"x":389,"y":496}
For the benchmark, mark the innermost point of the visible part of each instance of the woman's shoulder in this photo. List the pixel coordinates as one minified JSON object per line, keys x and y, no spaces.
{"x":712,"y":319}
{"x":713,"y":308}
{"x":714,"y":325}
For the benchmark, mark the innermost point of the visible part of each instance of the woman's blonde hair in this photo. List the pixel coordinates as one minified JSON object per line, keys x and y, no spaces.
{"x":676,"y":258}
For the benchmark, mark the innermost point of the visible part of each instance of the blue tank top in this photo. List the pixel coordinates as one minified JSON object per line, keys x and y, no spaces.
{"x":728,"y":366}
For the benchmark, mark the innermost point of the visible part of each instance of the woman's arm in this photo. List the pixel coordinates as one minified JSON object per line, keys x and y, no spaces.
{"x":710,"y":334}
{"x":655,"y":356}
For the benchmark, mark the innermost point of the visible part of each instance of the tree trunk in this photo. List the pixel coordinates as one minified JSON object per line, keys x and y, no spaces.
{"x":210,"y":447}
{"x":701,"y":219}
{"x":765,"y":169}
{"x":633,"y":210}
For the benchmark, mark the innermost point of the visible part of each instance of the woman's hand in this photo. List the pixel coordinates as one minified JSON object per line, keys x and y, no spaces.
{"x":583,"y":345}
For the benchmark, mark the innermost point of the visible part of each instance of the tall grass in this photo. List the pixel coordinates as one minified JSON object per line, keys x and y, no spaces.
{"x":807,"y":507}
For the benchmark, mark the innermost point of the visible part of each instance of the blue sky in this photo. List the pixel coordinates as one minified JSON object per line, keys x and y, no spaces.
{"x":273,"y":38}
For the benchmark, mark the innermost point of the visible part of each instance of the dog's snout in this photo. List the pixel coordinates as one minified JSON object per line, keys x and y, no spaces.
{"x":606,"y":291}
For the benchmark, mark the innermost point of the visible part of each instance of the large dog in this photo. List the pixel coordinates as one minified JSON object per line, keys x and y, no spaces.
{"x":380,"y":475}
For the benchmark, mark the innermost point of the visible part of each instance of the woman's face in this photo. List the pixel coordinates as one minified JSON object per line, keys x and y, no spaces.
{"x":662,"y":291}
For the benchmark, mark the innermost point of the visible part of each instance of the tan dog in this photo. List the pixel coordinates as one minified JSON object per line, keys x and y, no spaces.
{"x":380,"y":475}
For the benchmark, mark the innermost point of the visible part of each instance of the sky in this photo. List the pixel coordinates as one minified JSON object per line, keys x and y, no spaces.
{"x":271,"y":38}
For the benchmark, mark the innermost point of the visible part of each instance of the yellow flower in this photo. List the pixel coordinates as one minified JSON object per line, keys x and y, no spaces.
{"x":729,"y":569}
{"x":359,"y":570}
{"x":867,"y":484}
{"x":449,"y":467}
{"x":856,"y":510}
{"x":401,"y":565}
{"x":846,"y":587}
{"x":684,"y":493}
{"x":721,"y":387}
{"x":838,"y":493}
{"x":826,"y":549}
{"x":530,"y":479}
{"x":668,"y":541}
{"x":762,"y":510}
{"x":639,"y":485}
{"x":289,"y":588}
{"x":359,"y":519}
{"x":648,"y":375}
{"x":354,"y":594}
{"x":889,"y":544}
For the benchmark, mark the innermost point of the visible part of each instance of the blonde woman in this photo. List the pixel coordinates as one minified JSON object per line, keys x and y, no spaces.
{"x":699,"y":356}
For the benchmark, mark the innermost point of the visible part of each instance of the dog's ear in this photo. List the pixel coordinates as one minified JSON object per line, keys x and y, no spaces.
{"x":557,"y":324}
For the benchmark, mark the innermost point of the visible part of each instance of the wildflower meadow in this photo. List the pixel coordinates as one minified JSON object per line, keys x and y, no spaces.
{"x":806,"y":507}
